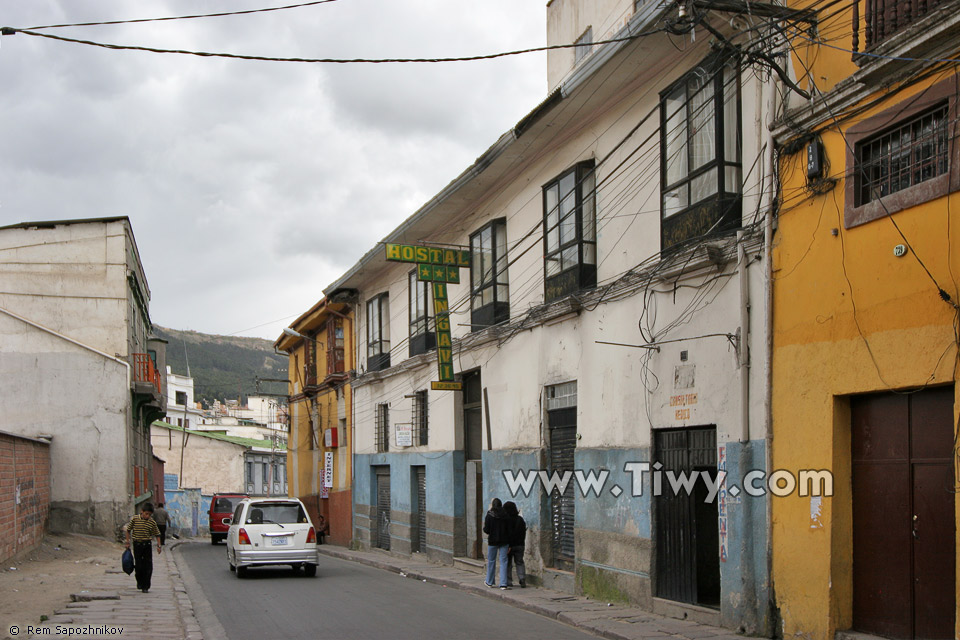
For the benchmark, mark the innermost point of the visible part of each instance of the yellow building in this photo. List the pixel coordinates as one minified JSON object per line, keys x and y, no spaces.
{"x":865,"y":322}
{"x":320,"y":446}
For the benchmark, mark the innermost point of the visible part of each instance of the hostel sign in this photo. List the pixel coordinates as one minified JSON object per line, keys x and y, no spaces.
{"x":438,"y":267}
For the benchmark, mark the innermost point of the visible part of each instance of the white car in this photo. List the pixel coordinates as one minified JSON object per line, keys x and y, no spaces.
{"x":271,"y":531}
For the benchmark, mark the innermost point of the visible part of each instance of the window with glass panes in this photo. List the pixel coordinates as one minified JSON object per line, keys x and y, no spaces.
{"x":570,"y":232}
{"x":422,"y":329}
{"x":700,"y":152}
{"x":489,"y":286}
{"x":378,"y":333}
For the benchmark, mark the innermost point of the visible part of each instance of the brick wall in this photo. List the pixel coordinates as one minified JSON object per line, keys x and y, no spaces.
{"x":24,"y":493}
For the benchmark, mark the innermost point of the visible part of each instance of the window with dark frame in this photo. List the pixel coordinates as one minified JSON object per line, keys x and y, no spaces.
{"x":423,"y":335}
{"x":335,"y":346}
{"x":181,"y":398}
{"x":570,"y":232}
{"x":383,"y":427}
{"x":489,"y":285}
{"x":700,"y":171}
{"x":378,"y":333}
{"x":420,"y":417}
{"x":910,"y":153}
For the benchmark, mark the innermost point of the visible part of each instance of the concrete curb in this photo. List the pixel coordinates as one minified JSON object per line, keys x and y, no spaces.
{"x":576,"y":611}
{"x":204,"y":616}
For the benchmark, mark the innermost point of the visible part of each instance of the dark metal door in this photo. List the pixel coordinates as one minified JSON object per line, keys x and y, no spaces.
{"x":687,"y":535}
{"x":420,"y":540}
{"x":563,"y":444}
{"x":383,"y":509}
{"x":904,"y":553}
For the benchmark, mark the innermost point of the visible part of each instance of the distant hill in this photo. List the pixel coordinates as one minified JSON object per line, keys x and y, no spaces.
{"x":224,"y":367}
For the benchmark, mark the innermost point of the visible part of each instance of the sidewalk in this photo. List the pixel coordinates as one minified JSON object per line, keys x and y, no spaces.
{"x":113,"y":602}
{"x":612,"y":621}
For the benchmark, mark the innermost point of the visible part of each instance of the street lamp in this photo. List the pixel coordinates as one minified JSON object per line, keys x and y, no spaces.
{"x":293,"y":333}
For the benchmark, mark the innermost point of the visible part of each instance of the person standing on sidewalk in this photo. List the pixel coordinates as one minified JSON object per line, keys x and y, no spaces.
{"x":518,"y":541}
{"x":142,"y":528}
{"x":496,"y":527}
{"x":161,"y":517}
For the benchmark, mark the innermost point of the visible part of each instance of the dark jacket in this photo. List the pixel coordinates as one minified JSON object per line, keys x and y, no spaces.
{"x":518,"y":531}
{"x":497,"y":528}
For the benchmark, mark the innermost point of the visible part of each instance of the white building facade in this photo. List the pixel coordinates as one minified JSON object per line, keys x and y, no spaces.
{"x":612,"y":324}
{"x":79,"y":364}
{"x":181,"y":407}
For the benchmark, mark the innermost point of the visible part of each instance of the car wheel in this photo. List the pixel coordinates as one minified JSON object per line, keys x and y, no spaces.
{"x":213,"y":539}
{"x":241,"y":572}
{"x":309,"y":570}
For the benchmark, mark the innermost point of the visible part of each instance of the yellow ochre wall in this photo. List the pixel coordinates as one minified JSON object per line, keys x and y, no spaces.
{"x":902,"y":336}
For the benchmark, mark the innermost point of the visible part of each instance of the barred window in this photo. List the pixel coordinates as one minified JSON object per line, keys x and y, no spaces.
{"x":584,"y":45}
{"x":383,"y":428}
{"x":912,"y":152}
{"x":420,"y":417}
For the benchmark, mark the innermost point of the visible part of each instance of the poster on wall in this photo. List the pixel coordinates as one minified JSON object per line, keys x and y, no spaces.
{"x":404,"y":435}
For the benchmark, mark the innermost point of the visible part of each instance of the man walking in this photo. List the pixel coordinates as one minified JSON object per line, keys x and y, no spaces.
{"x":142,"y":528}
{"x":160,"y":517}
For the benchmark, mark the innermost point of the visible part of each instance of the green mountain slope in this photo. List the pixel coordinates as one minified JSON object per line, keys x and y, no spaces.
{"x":224,"y":367}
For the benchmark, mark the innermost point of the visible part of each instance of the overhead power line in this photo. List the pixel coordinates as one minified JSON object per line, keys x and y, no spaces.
{"x":207,"y":54}
{"x":200,"y":15}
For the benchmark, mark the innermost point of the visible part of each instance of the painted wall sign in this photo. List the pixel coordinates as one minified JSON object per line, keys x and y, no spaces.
{"x":427,"y":255}
{"x":324,"y":489}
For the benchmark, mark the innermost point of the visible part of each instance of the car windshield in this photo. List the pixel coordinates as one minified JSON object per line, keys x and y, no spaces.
{"x":223,"y":505}
{"x":278,"y":512}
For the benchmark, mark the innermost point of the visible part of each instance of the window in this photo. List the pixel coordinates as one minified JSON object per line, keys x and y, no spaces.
{"x":912,"y":152}
{"x":903,"y":156}
{"x":570,"y":232}
{"x":422,"y":330}
{"x":420,"y":417}
{"x":700,"y":153}
{"x":383,"y":428}
{"x":181,"y":398}
{"x":584,"y":45}
{"x":489,"y":287}
{"x":335,"y":346}
{"x":378,"y":333}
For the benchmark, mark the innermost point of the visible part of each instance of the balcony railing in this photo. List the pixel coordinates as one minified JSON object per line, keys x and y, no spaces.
{"x":882,"y":18}
{"x":145,"y":371}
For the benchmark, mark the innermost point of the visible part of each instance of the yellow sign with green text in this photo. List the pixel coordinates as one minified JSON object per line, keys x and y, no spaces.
{"x":427,"y":255}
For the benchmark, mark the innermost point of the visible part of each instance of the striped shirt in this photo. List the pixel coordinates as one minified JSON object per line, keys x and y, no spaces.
{"x":142,"y":530}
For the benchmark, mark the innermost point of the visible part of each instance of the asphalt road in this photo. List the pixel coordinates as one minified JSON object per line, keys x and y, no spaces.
{"x":349,"y":601}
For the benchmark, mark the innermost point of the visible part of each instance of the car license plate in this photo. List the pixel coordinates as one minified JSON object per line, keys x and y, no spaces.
{"x":278,"y":541}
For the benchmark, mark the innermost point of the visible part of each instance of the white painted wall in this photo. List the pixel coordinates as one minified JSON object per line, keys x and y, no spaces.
{"x":213,"y":466}
{"x":72,"y":280}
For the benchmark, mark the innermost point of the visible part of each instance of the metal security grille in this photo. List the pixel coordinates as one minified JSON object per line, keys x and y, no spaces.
{"x":687,"y":568}
{"x":913,"y":152}
{"x":562,"y":422}
{"x":383,"y":427}
{"x":420,"y":417}
{"x":382,"y":532}
{"x":420,"y":543}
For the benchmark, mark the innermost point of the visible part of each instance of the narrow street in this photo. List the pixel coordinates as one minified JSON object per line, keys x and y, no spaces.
{"x":348,"y":600}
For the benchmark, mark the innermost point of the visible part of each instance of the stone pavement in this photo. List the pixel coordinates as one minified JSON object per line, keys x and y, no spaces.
{"x":113,"y":602}
{"x":612,"y":621}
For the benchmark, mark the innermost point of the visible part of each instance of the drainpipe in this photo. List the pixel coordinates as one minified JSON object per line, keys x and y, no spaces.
{"x":770,"y":196}
{"x":744,"y":342}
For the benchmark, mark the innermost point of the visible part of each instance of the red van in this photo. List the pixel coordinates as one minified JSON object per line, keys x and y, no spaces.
{"x":222,"y":506}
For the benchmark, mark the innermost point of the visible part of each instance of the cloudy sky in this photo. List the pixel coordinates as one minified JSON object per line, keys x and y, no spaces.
{"x":252,"y":185}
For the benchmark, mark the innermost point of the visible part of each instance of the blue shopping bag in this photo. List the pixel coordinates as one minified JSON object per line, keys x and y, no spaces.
{"x":126,"y":562}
